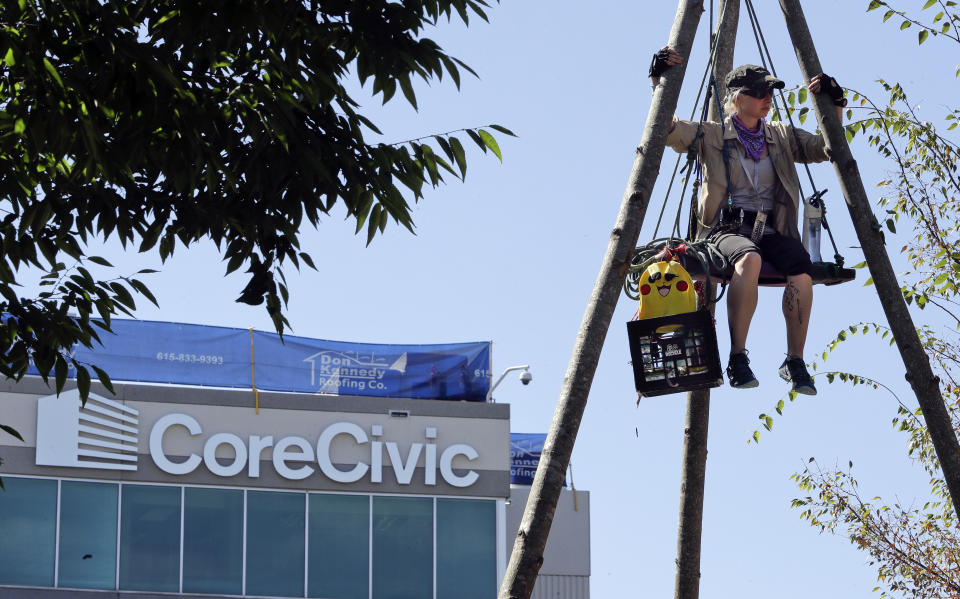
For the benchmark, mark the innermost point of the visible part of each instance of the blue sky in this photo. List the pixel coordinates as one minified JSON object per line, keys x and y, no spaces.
{"x":512,"y":254}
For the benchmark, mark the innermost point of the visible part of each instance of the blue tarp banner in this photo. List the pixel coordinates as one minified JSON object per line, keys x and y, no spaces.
{"x":525,"y":450}
{"x":188,"y":354}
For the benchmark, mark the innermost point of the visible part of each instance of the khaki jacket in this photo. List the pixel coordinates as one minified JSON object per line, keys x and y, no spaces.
{"x":782,"y":147}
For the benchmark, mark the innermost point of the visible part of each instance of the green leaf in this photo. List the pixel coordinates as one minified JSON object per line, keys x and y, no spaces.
{"x":307,"y":260}
{"x":874,"y":4}
{"x":891,"y":226}
{"x":503,"y":130}
{"x":53,"y":71}
{"x":922,"y":36}
{"x":756,"y":436}
{"x":860,"y":265}
{"x":11,"y":430}
{"x":459,"y":156}
{"x":407,"y":89}
{"x":477,"y":139}
{"x":887,"y":15}
{"x":123,"y":296}
{"x":905,"y":25}
{"x":142,"y":289}
{"x":60,"y":372}
{"x":868,"y":282}
{"x":19,"y":126}
{"x":234,"y":263}
{"x":373,"y":222}
{"x":83,"y":382}
{"x":490,"y":143}
{"x":802,"y":95}
{"x":9,"y":59}
{"x":104,"y":379}
{"x":170,"y":15}
{"x":929,"y":4}
{"x":99,"y":260}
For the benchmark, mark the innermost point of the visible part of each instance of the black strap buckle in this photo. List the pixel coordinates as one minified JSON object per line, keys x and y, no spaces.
{"x":731,"y":219}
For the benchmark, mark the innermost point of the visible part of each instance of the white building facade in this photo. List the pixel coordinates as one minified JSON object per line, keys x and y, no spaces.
{"x":196,"y":492}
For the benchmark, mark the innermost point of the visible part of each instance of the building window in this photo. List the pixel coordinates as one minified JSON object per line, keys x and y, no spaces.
{"x":88,"y":535}
{"x":212,"y":541}
{"x":191,"y":540}
{"x":150,"y":538}
{"x":28,"y":512}
{"x":466,"y":549}
{"x":339,"y":550}
{"x":402,"y":547}
{"x":276,"y":525}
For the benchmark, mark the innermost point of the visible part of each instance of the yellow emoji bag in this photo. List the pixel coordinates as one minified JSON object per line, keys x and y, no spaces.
{"x":665,"y":289}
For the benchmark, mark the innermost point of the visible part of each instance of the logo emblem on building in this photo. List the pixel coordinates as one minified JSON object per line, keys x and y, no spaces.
{"x":101,"y":434}
{"x":333,"y":372}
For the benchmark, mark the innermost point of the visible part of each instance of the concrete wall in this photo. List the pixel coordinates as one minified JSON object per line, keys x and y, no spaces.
{"x":565,"y":573}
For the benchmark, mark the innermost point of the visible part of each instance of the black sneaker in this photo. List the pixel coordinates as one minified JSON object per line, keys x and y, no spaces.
{"x":794,"y":371}
{"x":739,"y":373}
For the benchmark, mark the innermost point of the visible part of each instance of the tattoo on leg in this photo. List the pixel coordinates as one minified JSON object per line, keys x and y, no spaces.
{"x":790,"y":295}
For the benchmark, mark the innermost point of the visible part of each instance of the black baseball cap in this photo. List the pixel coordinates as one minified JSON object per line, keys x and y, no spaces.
{"x":751,"y":76}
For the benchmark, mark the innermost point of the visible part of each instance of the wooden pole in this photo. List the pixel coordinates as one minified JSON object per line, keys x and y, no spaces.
{"x":918,"y":371}
{"x":693,"y":474}
{"x":527,"y":555}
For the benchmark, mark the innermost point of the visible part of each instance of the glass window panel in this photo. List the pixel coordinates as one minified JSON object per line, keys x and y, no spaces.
{"x":213,"y":541}
{"x":88,"y":535}
{"x":402,"y":547}
{"x":466,"y":549}
{"x":339,"y":546}
{"x":276,"y":526}
{"x":150,"y":538}
{"x":28,"y":522}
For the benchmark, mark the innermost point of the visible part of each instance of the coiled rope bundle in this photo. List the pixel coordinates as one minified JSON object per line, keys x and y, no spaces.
{"x":696,"y":257}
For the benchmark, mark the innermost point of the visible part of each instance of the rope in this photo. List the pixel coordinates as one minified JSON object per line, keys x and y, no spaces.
{"x":573,"y":487}
{"x":703,"y":252}
{"x":676,"y":165}
{"x":763,"y":50}
{"x":691,"y":150}
{"x":816,"y":199}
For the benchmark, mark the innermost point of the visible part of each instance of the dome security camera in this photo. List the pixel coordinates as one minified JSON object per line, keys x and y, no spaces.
{"x":526,"y":377}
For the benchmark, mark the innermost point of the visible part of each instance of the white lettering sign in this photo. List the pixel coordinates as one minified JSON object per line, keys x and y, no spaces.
{"x":293,"y":457}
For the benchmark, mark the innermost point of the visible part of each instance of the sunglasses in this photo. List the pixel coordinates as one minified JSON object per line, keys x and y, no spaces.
{"x":756,"y":93}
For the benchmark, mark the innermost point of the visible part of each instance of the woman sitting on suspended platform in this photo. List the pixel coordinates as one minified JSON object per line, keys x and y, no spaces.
{"x":754,"y":217}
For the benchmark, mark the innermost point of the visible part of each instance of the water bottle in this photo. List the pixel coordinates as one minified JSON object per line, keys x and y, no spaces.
{"x":811,"y":230}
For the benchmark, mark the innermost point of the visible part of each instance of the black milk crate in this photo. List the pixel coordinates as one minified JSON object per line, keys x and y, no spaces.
{"x":672,"y":354}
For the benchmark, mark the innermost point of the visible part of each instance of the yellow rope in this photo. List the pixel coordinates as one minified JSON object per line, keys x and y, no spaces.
{"x":253,"y":382}
{"x":572,"y":486}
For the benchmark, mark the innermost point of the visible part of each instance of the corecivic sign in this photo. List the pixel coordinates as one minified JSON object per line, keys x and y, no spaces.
{"x":296,"y":458}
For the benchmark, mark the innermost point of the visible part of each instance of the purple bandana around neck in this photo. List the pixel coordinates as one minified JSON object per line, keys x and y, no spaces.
{"x":754,"y":142}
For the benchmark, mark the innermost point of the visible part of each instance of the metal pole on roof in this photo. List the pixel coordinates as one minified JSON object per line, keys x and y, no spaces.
{"x":526,"y":377}
{"x":870,"y":234}
{"x":694,"y":469}
{"x":527,"y":555}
